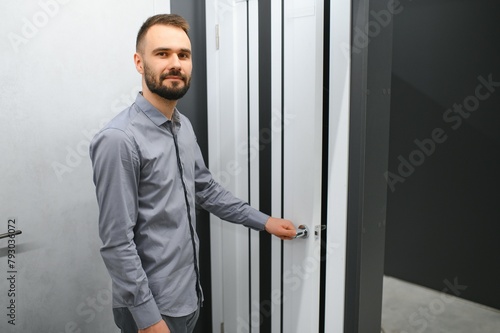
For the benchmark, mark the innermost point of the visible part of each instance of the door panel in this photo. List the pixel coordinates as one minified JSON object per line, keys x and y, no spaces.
{"x":302,"y":163}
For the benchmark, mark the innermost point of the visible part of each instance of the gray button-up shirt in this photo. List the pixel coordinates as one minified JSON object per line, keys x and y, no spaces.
{"x":147,"y":186}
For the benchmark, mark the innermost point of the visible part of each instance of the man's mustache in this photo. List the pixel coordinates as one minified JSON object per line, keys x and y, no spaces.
{"x":173,"y":73}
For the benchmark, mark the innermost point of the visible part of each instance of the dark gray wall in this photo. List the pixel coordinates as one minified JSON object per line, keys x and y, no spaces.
{"x":194,"y":106}
{"x":442,"y":214}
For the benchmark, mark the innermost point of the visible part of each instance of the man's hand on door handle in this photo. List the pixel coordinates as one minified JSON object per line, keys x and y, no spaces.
{"x":281,"y":228}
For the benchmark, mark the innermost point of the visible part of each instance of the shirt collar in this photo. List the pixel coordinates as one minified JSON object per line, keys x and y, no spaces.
{"x":156,"y":116}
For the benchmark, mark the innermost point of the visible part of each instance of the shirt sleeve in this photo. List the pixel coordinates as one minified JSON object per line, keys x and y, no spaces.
{"x":217,"y":200}
{"x":116,"y":175}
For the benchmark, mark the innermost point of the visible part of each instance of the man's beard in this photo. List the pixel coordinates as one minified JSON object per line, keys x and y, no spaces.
{"x":170,"y":93}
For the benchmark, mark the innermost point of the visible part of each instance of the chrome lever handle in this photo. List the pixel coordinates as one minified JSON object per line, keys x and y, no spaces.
{"x":10,"y":234}
{"x":302,"y":231}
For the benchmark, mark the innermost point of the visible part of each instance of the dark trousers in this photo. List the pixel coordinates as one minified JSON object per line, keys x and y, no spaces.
{"x":185,"y":324}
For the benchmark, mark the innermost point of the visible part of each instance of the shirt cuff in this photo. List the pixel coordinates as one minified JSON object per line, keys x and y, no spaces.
{"x":146,"y":314}
{"x":256,"y":220}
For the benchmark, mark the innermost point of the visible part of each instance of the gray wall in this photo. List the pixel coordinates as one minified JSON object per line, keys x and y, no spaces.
{"x":66,"y":69}
{"x":442,"y":214}
{"x":194,"y":106}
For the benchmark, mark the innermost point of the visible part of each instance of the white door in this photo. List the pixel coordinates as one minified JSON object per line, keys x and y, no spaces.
{"x":298,"y":145}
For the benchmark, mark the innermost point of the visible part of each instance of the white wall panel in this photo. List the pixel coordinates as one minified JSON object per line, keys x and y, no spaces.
{"x":67,"y":69}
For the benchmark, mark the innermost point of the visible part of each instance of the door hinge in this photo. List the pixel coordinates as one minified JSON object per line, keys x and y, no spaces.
{"x":221,"y":327}
{"x":216,"y":36}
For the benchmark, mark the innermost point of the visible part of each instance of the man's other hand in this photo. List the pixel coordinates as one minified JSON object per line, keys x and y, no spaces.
{"x":159,"y":327}
{"x":281,"y":228}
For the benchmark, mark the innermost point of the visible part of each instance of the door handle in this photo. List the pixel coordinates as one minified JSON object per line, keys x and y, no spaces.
{"x":302,"y":231}
{"x":9,"y":234}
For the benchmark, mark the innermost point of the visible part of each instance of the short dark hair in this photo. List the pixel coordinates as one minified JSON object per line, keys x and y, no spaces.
{"x":163,"y":19}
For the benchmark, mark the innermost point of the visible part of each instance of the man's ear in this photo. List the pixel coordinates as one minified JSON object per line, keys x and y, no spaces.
{"x":139,"y":64}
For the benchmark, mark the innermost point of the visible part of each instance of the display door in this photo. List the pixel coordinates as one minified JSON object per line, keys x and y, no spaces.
{"x":270,"y":143}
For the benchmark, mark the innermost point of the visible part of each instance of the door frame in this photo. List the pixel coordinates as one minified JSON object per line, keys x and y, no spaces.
{"x":371,"y":61}
{"x":358,"y":122}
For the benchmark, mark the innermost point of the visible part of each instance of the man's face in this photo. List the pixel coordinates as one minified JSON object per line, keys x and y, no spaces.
{"x":166,"y":61}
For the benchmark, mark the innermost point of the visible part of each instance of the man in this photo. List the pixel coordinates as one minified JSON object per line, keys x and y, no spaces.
{"x":149,"y":175}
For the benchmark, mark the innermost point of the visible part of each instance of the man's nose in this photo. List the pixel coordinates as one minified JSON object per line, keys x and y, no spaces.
{"x":175,"y":62}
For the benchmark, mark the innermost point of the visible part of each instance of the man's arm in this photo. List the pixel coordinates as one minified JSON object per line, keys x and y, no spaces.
{"x":116,"y":176}
{"x":222,"y":203}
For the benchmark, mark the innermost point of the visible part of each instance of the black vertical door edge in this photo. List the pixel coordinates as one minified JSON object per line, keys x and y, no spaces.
{"x":325,"y":160}
{"x":264,"y":29}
